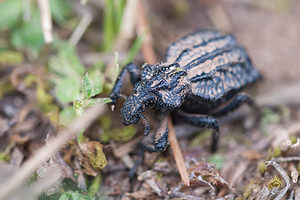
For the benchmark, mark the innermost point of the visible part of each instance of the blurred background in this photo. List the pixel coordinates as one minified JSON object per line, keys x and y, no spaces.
{"x":58,"y":58}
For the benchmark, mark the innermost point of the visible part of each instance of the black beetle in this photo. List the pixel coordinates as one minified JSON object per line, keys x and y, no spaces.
{"x":200,"y":79}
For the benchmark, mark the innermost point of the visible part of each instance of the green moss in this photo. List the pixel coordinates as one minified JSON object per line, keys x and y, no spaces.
{"x":248,"y":189}
{"x":275,"y":182}
{"x":293,"y":139}
{"x":97,"y":159}
{"x":262,"y":167}
{"x":273,"y":153}
{"x":123,"y":134}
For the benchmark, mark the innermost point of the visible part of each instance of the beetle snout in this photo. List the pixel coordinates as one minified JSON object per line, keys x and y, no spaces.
{"x":132,"y":108}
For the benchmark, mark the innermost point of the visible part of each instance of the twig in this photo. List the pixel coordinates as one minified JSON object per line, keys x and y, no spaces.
{"x":177,"y":194}
{"x":286,"y":159}
{"x":240,"y":170}
{"x":144,"y":29}
{"x":52,"y":177}
{"x":284,"y":176}
{"x":292,"y":194}
{"x":294,"y":172}
{"x":297,"y":193}
{"x":177,"y":154}
{"x":46,"y":20}
{"x":81,"y":28}
{"x":12,"y":183}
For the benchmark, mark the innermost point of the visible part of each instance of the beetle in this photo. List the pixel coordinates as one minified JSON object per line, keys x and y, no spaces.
{"x":201,"y":78}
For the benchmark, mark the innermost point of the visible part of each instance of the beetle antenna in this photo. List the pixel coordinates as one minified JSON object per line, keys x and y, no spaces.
{"x":147,"y":125}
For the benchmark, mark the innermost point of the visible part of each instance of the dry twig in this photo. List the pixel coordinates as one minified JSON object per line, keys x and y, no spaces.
{"x":286,"y":159}
{"x":17,"y":179}
{"x":284,"y":176}
{"x":46,"y":20}
{"x":82,"y":26}
{"x":143,"y":29}
{"x":294,"y":172}
{"x":177,"y":153}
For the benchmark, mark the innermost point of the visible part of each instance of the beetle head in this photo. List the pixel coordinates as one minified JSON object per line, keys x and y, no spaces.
{"x":131,"y":110}
{"x":135,"y":105}
{"x":163,"y":86}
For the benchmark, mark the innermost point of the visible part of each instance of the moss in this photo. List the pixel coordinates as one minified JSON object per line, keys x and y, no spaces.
{"x":262,"y":167}
{"x":123,"y":134}
{"x":248,"y":189}
{"x":293,"y":139}
{"x":273,"y":153}
{"x":275,"y":182}
{"x":97,"y":159}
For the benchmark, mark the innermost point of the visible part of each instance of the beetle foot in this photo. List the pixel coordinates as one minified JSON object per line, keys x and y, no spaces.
{"x":114,"y":99}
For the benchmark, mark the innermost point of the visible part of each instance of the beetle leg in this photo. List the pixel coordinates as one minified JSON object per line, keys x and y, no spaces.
{"x":234,"y":104}
{"x":159,"y":139}
{"x":134,"y":73}
{"x":146,"y":123}
{"x":204,"y":121}
{"x":159,"y":144}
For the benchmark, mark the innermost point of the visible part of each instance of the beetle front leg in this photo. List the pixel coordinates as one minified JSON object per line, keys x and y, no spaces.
{"x":159,"y":144}
{"x":160,"y":138}
{"x":134,"y":73}
{"x":204,"y":121}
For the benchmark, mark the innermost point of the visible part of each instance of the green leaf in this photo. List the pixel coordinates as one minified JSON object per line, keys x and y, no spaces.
{"x":118,"y":13}
{"x":108,"y":25}
{"x":87,"y":86}
{"x":10,"y":13}
{"x":96,"y":78}
{"x":95,"y":186}
{"x":74,"y":195}
{"x":67,"y":90}
{"x":80,"y":136}
{"x":67,"y":116}
{"x":29,"y":34}
{"x":66,"y":63}
{"x":60,"y":10}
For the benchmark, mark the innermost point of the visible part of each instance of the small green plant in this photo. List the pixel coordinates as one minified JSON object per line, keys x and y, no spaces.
{"x":74,"y":195}
{"x":22,"y":20}
{"x":89,"y":88}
